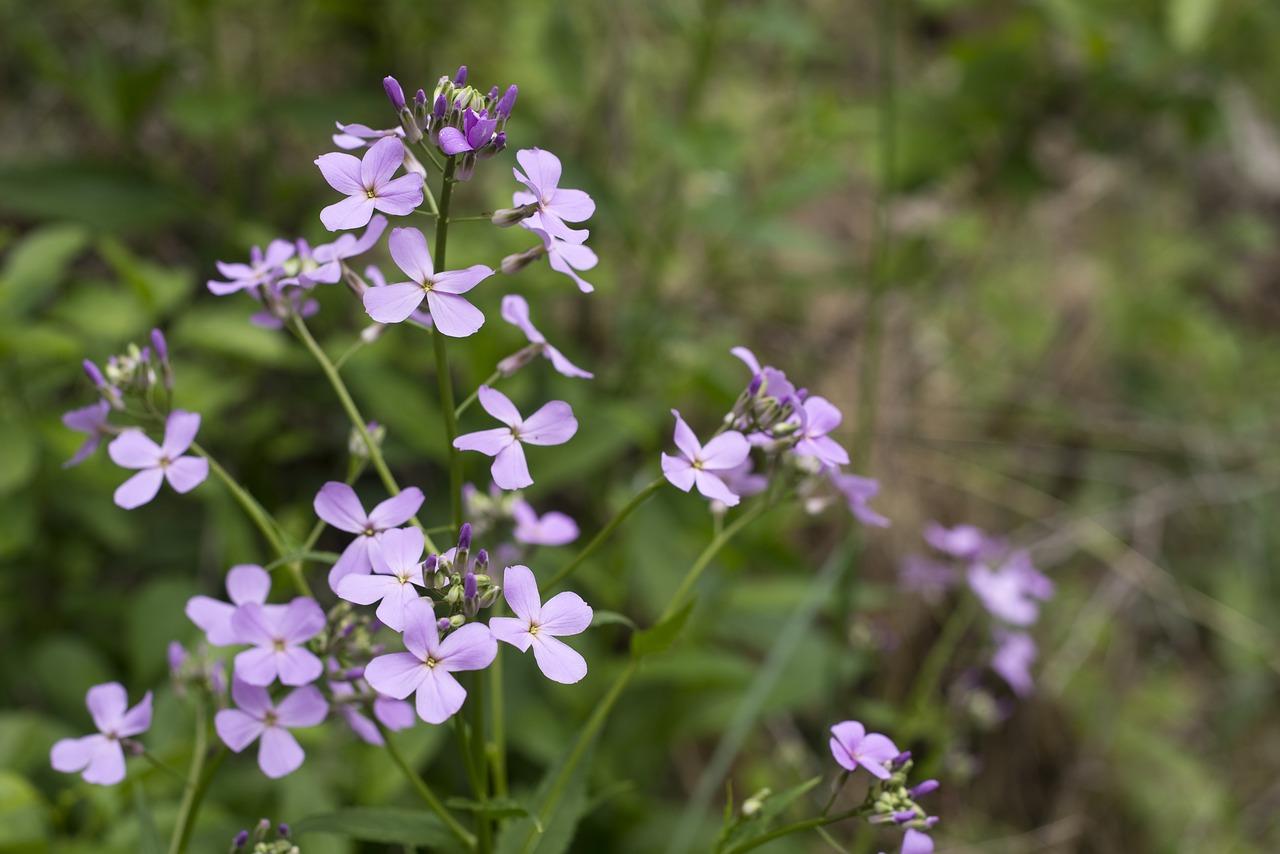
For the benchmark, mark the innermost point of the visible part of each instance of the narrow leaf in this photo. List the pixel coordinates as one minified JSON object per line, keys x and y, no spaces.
{"x":659,"y":638}
{"x":381,"y":824}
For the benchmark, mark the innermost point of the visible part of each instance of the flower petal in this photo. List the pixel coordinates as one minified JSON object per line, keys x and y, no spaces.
{"x":304,"y":706}
{"x":248,"y":583}
{"x":499,"y":405}
{"x":726,"y":451}
{"x":461,"y":281}
{"x":337,"y":504}
{"x":397,"y":510}
{"x":70,"y":755}
{"x":137,"y":720}
{"x":558,"y":661}
{"x":213,"y":618}
{"x":564,"y":614}
{"x":490,"y":442}
{"x":397,"y":674}
{"x":367,"y":589}
{"x":520,"y":589}
{"x":351,"y":212}
{"x":354,"y":560}
{"x":511,"y":630}
{"x":301,"y":620}
{"x":452,"y":141}
{"x":542,"y":169}
{"x":409,"y":251}
{"x":553,"y":424}
{"x":470,"y":647}
{"x":342,"y":171}
{"x":179,"y":432}
{"x":186,"y":473}
{"x":106,"y":766}
{"x":515,"y":310}
{"x":237,"y":729}
{"x":132,"y":449}
{"x":510,"y":470}
{"x":678,"y":471}
{"x":453,"y":315}
{"x":401,"y":196}
{"x":713,"y":487}
{"x":139,"y":489}
{"x":572,"y":205}
{"x":380,"y":162}
{"x":298,"y":666}
{"x":439,"y":696}
{"x":106,"y":703}
{"x":393,"y":303}
{"x":279,"y":753}
{"x":685,"y":439}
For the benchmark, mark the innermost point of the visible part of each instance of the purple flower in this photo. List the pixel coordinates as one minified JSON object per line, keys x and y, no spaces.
{"x":852,"y":746}
{"x":566,"y":257}
{"x":552,"y":529}
{"x":773,"y":382}
{"x":553,"y":424}
{"x":91,"y":420}
{"x":276,"y":635}
{"x":428,"y":667}
{"x":538,"y":625}
{"x":1012,"y":660}
{"x":261,"y":268}
{"x":337,"y":504}
{"x":723,"y":453}
{"x":375,"y":278}
{"x":258,"y":718}
{"x":397,"y":567}
{"x":395,"y":715}
{"x":452,"y":314}
{"x":963,"y":541}
{"x":328,"y":257}
{"x":515,"y":310}
{"x":818,"y":417}
{"x":857,"y":491}
{"x":477,"y":130}
{"x":368,"y":185}
{"x":926,"y":576}
{"x":354,"y":136}
{"x":1009,"y":593}
{"x":245,"y":583}
{"x":915,"y":842}
{"x":133,"y":450}
{"x":100,"y":757}
{"x":555,"y":206}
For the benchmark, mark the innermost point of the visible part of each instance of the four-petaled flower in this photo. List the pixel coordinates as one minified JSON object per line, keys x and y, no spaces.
{"x":452,"y":314}
{"x":515,"y":310}
{"x":245,"y":583}
{"x":337,"y":504}
{"x":538,"y":625}
{"x":564,"y":256}
{"x":133,"y":450}
{"x":397,"y":567}
{"x":817,"y":418}
{"x":723,"y":453}
{"x":551,"y":529}
{"x":100,"y":757}
{"x":427,"y":668}
{"x":278,"y":751}
{"x":477,"y":131}
{"x":555,"y":206}
{"x":277,"y":634}
{"x":852,"y":745}
{"x":368,"y":185}
{"x":92,"y":420}
{"x":262,"y":268}
{"x":553,"y":424}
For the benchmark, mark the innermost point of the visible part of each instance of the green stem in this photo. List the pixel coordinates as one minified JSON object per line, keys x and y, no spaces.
{"x":484,"y":825}
{"x":796,"y":827}
{"x":708,"y":553}
{"x":190,"y":804}
{"x":462,"y":407}
{"x":930,"y":673}
{"x":444,"y":379}
{"x":463,"y":835}
{"x":498,"y":747}
{"x":600,"y":538}
{"x":357,"y":420}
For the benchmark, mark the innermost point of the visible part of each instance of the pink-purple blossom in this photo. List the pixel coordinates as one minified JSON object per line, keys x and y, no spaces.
{"x":451,"y":312}
{"x":916,"y":842}
{"x":393,"y":714}
{"x":555,"y":206}
{"x":427,"y":668}
{"x":515,"y":310}
{"x":91,"y":420}
{"x":397,"y":567}
{"x":697,"y":464}
{"x":1015,"y":653}
{"x":337,"y":504}
{"x":99,"y":757}
{"x":857,"y":491}
{"x":477,"y":131}
{"x":277,"y":635}
{"x":550,"y":529}
{"x":325,"y":265}
{"x":817,"y":417}
{"x":258,"y":718}
{"x":246,"y":583}
{"x":965,"y":542}
{"x":356,"y":135}
{"x":539,"y":625}
{"x":133,"y":450}
{"x":852,"y":745}
{"x":261,"y":269}
{"x":368,"y":184}
{"x":1010,"y":592}
{"x":553,"y":424}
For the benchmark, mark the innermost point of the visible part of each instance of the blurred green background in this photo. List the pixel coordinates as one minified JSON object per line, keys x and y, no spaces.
{"x":1028,"y":247}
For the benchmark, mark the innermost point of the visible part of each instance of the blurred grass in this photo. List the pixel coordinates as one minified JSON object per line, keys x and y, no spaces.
{"x":1079,"y":328}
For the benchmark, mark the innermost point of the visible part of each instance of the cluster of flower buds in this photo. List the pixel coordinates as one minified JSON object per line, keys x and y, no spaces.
{"x":265,"y":839}
{"x":138,"y":371}
{"x":893,"y":802}
{"x":458,"y":118}
{"x":463,"y":580}
{"x":199,"y":671}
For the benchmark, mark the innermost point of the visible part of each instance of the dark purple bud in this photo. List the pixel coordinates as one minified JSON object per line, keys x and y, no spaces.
{"x":503,"y":110}
{"x":493,"y":93}
{"x":242,"y":839}
{"x":756,"y":383}
{"x":482,"y":560}
{"x":420,"y":99}
{"x":394,"y":93}
{"x":160,"y":345}
{"x":353,"y":673}
{"x":429,"y":564}
{"x":923,"y":789}
{"x":461,"y":78}
{"x":904,"y":816}
{"x":283,"y":829}
{"x":901,"y":759}
{"x":95,"y":375}
{"x":443,"y":624}
{"x":464,"y":537}
{"x":469,"y":588}
{"x":440,"y":107}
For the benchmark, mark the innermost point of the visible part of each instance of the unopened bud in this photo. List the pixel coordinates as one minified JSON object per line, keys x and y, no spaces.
{"x":490,"y":596}
{"x":444,"y":624}
{"x":518,"y":360}
{"x":507,"y":217}
{"x":482,"y":563}
{"x":465,"y":167}
{"x":503,"y":110}
{"x":923,"y":789}
{"x":282,"y":830}
{"x":394,"y":93}
{"x":241,"y":839}
{"x":460,"y":79}
{"x":752,"y":805}
{"x":457,"y":620}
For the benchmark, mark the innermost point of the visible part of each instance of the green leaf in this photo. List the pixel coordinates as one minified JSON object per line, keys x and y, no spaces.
{"x":148,"y":838}
{"x":1189,"y":23}
{"x":107,"y":197}
{"x":493,"y":808}
{"x":37,"y":263}
{"x":659,"y":638}
{"x":602,"y":617}
{"x":19,"y":454}
{"x":380,"y":824}
{"x":24,"y":817}
{"x":550,"y":829}
{"x":760,"y":822}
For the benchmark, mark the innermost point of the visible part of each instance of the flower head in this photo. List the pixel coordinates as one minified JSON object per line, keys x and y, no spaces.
{"x":553,"y":424}
{"x":257,"y":718}
{"x":246,"y":583}
{"x":852,"y":745}
{"x":337,"y":504}
{"x":369,"y":185}
{"x":100,"y":757}
{"x":1010,"y":592}
{"x":538,"y":625}
{"x":452,"y":313}
{"x":133,"y":450}
{"x":555,"y":206}
{"x":261,"y":269}
{"x":397,"y":567}
{"x":277,"y":635}
{"x":697,"y":464}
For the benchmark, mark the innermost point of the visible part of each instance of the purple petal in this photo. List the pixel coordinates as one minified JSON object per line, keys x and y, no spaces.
{"x":558,"y":661}
{"x":337,"y":504}
{"x":367,"y":589}
{"x":186,"y":473}
{"x":401,"y":196}
{"x":563,"y":365}
{"x":351,"y":212}
{"x":439,"y":696}
{"x":915,"y":842}
{"x":133,"y":450}
{"x":253,"y":699}
{"x":279,"y":752}
{"x":393,"y":303}
{"x":139,"y":489}
{"x":342,"y":171}
{"x":470,"y":647}
{"x":137,"y":720}
{"x":499,"y":405}
{"x":490,"y":442}
{"x":106,"y":703}
{"x":453,"y":315}
{"x":685,"y":439}
{"x":303,"y":618}
{"x":298,"y":666}
{"x":179,"y":432}
{"x":553,"y":424}
{"x":678,"y":471}
{"x":749,"y":358}
{"x":421,"y":637}
{"x":380,"y":162}
{"x":397,"y":509}
{"x":257,"y":666}
{"x":397,"y":598}
{"x":452,"y":141}
{"x":510,"y":470}
{"x":726,"y":451}
{"x":561,"y":262}
{"x":89,"y":418}
{"x":302,"y":707}
{"x":70,"y":755}
{"x":564,"y":614}
{"x":354,"y":560}
{"x":409,"y":251}
{"x":106,"y":765}
{"x":511,"y":630}
{"x":213,"y":618}
{"x":823,"y":417}
{"x":521,"y":592}
{"x":394,"y":714}
{"x":515,"y":310}
{"x":572,"y":205}
{"x":399,"y":550}
{"x":397,"y":675}
{"x":248,"y":583}
{"x":713,"y":487}
{"x":461,"y":281}
{"x":254,"y":624}
{"x":237,"y":729}
{"x":542,"y":169}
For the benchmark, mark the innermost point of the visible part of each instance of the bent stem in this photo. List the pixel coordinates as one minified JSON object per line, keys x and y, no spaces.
{"x":599,"y":539}
{"x":704,"y":559}
{"x":461,"y":833}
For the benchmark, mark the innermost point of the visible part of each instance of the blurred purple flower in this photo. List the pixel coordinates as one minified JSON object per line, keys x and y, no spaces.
{"x":258,"y":718}
{"x":354,"y":136}
{"x":852,"y":745}
{"x":963,"y":541}
{"x":393,"y":714}
{"x":817,"y":417}
{"x":245,"y":583}
{"x":1009,"y":593}
{"x":92,"y":420}
{"x":857,"y":491}
{"x":452,"y":314}
{"x":916,"y":842}
{"x":553,"y":424}
{"x":100,"y":757}
{"x":551,"y":529}
{"x":337,"y":504}
{"x":368,"y":185}
{"x":926,"y":576}
{"x":262,"y":268}
{"x":327,"y":258}
{"x":133,"y":450}
{"x":697,"y":464}
{"x":515,"y":310}
{"x":1012,"y":660}
{"x":538,"y":625}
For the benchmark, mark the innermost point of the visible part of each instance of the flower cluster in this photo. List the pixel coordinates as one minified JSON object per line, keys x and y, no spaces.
{"x":889,"y":800}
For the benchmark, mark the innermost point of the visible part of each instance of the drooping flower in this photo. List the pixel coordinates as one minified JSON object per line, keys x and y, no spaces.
{"x":965,"y":542}
{"x":852,"y":745}
{"x":258,"y":718}
{"x":818,"y":417}
{"x":857,"y":491}
{"x":261,"y":269}
{"x":337,"y":504}
{"x":538,"y":625}
{"x":553,"y":424}
{"x":698,"y":464}
{"x":369,"y":185}
{"x":133,"y":450}
{"x":356,"y":135}
{"x":1012,"y":660}
{"x":397,"y":567}
{"x":1010,"y":592}
{"x":452,"y":314}
{"x":277,"y":635}
{"x":550,"y":529}
{"x":515,"y":310}
{"x":92,"y":420}
{"x":555,"y":206}
{"x":245,"y":583}
{"x":428,"y":667}
{"x":100,"y":757}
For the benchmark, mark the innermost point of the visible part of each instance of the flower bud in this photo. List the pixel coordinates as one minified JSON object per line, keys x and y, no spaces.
{"x":355,"y":442}
{"x":465,"y":167}
{"x":457,"y":620}
{"x":282,"y":830}
{"x":923,"y":789}
{"x":464,"y":545}
{"x":503,"y":110}
{"x":752,"y":805}
{"x":490,"y":596}
{"x":507,"y":217}
{"x":460,"y":79}
{"x":482,"y":563}
{"x":518,"y":360}
{"x":394,"y":93}
{"x":444,"y":624}
{"x":493,"y":94}
{"x":241,"y":839}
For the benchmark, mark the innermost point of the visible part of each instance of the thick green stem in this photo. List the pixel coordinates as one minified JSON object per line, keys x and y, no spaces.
{"x":461,"y":833}
{"x":444,"y":379}
{"x":600,"y":538}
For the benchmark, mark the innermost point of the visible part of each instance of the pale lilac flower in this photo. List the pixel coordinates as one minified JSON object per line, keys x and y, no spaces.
{"x":258,"y":718}
{"x":1009,"y":593}
{"x":327,"y":259}
{"x":262,"y":268}
{"x":698,"y":464}
{"x":393,"y":714}
{"x":857,"y":491}
{"x":743,"y":480}
{"x":427,"y":668}
{"x":773,"y":382}
{"x":452,"y":314}
{"x":916,"y":842}
{"x":538,"y":625}
{"x":563,"y":256}
{"x":91,"y":420}
{"x":397,"y":567}
{"x":852,"y":746}
{"x":133,"y":450}
{"x":100,"y":757}
{"x":477,"y":131}
{"x":553,"y":424}
{"x":963,"y":541}
{"x":245,"y":583}
{"x":551,"y":529}
{"x":354,"y":135}
{"x":515,"y":310}
{"x":337,"y":504}
{"x":818,"y":417}
{"x":1012,"y":660}
{"x":277,"y":635}
{"x":368,"y":185}
{"x":375,"y":278}
{"x":280,"y":303}
{"x":555,"y":206}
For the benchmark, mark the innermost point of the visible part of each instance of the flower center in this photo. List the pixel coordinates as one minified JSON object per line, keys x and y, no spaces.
{"x":430,"y":662}
{"x":269,"y":718}
{"x":278,"y":645}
